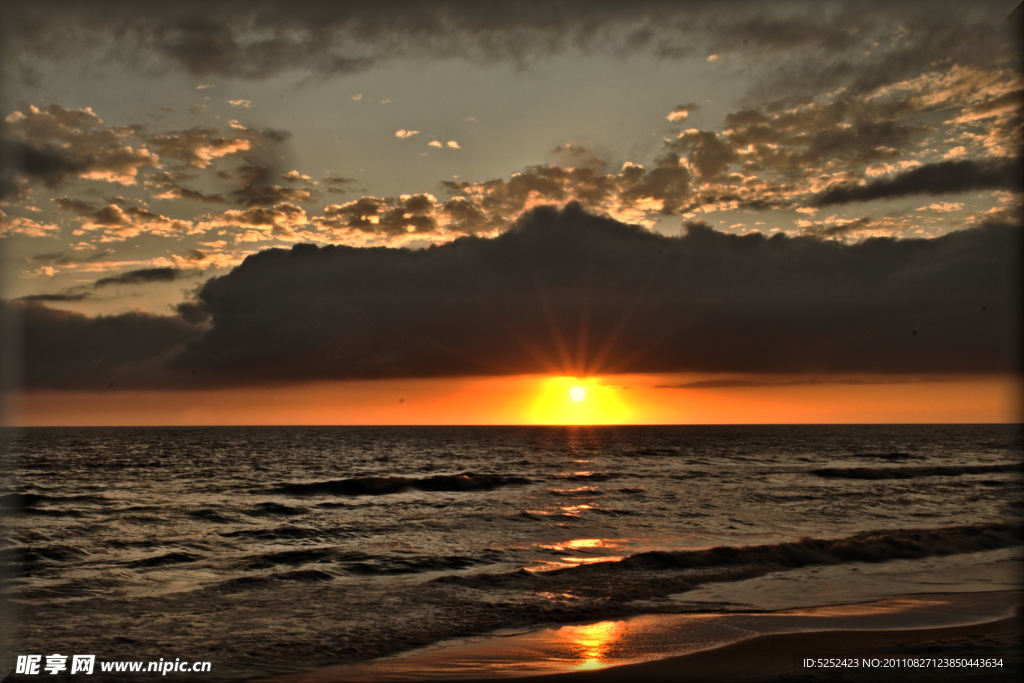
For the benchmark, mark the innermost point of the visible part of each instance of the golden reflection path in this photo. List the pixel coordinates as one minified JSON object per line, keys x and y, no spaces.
{"x":590,"y":643}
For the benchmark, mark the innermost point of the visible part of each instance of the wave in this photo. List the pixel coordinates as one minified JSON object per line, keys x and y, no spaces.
{"x":287,"y":557}
{"x":165,"y":559}
{"x":581,"y":492}
{"x":271,"y":509}
{"x":897,"y":455}
{"x":868,"y":546}
{"x":248,"y":582}
{"x":281,"y":532}
{"x":355,"y":562}
{"x":305,"y":576}
{"x":28,"y":501}
{"x":415,"y":564}
{"x":913,"y":472}
{"x":649,"y":451}
{"x":378,"y":486}
{"x":209,"y":515}
{"x":664,"y":572}
{"x":31,"y":557}
{"x":327,"y":565}
{"x":587,"y":476}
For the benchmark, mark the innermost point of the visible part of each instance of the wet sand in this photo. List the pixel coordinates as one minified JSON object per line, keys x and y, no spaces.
{"x":779,"y":657}
{"x":729,"y":646}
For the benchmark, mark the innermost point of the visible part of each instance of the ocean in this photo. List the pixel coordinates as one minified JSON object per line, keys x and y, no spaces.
{"x":269,"y":550}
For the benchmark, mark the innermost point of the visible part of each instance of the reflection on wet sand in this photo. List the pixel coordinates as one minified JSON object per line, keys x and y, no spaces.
{"x":589,"y":643}
{"x":582,"y":647}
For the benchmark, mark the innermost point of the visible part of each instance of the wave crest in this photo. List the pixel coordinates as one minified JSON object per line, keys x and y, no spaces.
{"x":379,"y":486}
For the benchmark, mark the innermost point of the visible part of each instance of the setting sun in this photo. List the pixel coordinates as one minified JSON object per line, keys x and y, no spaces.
{"x":578,"y":401}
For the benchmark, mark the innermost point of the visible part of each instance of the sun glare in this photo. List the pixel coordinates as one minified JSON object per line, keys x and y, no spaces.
{"x":578,"y":401}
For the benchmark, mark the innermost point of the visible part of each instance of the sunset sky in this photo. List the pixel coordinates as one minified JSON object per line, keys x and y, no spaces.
{"x":458,"y":212}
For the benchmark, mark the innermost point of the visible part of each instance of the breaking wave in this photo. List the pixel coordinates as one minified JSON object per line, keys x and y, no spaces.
{"x":912,"y":472}
{"x":676,"y":571}
{"x":379,"y":486}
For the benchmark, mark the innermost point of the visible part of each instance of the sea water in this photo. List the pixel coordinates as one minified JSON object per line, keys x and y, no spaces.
{"x":275,"y":549}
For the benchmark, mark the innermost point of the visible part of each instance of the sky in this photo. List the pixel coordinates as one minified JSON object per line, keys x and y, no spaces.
{"x":444,"y":212}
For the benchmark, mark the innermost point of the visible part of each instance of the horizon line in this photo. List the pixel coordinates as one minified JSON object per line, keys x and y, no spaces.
{"x":522,"y":425}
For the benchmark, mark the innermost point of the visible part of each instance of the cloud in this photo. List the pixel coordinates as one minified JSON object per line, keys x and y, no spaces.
{"x":59,"y":258}
{"x":568,"y":292}
{"x":198,"y":146}
{"x":945,"y":177}
{"x":259,"y":39}
{"x":392,"y":216}
{"x":72,"y":351}
{"x":263,"y":157}
{"x":747,"y":382}
{"x":261,"y":222}
{"x":403,"y":133}
{"x":680,"y":112}
{"x":565,"y":291}
{"x":119,"y":221}
{"x":708,"y":155}
{"x":339,"y":184}
{"x":27,"y":227}
{"x":55,"y":143}
{"x":56,"y":298}
{"x":50,"y":166}
{"x":143,"y":276}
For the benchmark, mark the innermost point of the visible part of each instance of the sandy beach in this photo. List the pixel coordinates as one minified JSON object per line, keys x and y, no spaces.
{"x":843,"y":640}
{"x":780,"y":657}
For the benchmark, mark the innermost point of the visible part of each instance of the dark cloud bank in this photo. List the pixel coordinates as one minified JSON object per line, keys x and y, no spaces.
{"x":562,"y":291}
{"x":260,"y":38}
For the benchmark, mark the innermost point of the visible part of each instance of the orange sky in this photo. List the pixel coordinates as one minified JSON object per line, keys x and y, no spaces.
{"x":534,"y":399}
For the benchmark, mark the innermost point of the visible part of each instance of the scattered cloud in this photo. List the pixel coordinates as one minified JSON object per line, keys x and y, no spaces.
{"x":403,"y":133}
{"x":56,"y":143}
{"x":680,"y":112}
{"x":198,"y":146}
{"x":26,"y":227}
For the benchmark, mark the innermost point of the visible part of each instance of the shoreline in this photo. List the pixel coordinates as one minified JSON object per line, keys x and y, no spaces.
{"x":726,"y":646}
{"x":779,"y":657}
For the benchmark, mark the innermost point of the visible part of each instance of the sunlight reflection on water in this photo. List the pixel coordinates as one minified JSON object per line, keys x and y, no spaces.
{"x":590,"y":642}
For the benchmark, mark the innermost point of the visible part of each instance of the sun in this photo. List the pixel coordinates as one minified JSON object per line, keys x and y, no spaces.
{"x":577,"y":401}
